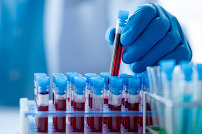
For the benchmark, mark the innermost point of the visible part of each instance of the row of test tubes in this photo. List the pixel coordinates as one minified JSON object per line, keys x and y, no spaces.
{"x":91,"y":93}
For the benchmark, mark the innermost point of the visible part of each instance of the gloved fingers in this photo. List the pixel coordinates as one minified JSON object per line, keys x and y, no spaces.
{"x":137,"y":23}
{"x":155,"y":31}
{"x":162,"y":48}
{"x":109,"y":35}
{"x":180,"y":53}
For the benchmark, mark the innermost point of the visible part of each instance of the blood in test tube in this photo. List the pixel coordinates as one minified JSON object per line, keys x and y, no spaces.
{"x":42,"y":103}
{"x":88,"y":77}
{"x":117,"y":46}
{"x":79,"y":103}
{"x":60,"y":103}
{"x":116,"y":85}
{"x":133,"y":103}
{"x":36,"y":77}
{"x":98,"y":101}
{"x":68,"y":75}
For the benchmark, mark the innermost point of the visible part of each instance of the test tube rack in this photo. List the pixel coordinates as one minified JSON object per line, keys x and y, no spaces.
{"x":28,"y":114}
{"x":167,"y":115}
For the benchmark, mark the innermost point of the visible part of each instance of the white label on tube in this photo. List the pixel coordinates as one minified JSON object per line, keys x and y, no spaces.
{"x":43,"y":99}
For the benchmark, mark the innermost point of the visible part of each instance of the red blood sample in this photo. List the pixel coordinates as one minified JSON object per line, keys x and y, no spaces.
{"x":133,"y":121}
{"x":68,"y":99}
{"x":91,"y":102}
{"x":96,"y":124}
{"x":114,"y":123}
{"x":148,"y":118}
{"x":42,"y":122}
{"x":60,"y":125}
{"x":78,"y":125}
{"x":72,"y":103}
{"x":126,"y":104}
{"x":123,"y":101}
{"x":117,"y":56}
{"x":53,"y":98}
{"x":106,"y":100}
{"x":89,"y":99}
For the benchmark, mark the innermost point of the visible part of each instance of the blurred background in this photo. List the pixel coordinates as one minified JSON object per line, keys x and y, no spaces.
{"x":68,"y":35}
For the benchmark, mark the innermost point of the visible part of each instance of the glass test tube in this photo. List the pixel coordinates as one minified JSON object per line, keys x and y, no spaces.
{"x":117,"y":46}
{"x":98,"y":101}
{"x":42,"y":103}
{"x":105,"y":76}
{"x":79,"y":103}
{"x":133,"y":103}
{"x":116,"y":85}
{"x":60,"y":103}
{"x":35,"y":84}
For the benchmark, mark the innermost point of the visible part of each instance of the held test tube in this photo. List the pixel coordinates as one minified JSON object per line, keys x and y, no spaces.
{"x":98,"y":101}
{"x":117,"y":46}
{"x":60,"y":103}
{"x":133,"y":103}
{"x":42,"y":103}
{"x":116,"y":85}
{"x":79,"y":103}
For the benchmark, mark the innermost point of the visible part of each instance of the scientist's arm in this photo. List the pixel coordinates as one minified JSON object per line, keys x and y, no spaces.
{"x":151,"y":34}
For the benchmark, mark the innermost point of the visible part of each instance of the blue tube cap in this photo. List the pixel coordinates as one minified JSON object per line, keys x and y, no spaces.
{"x":61,"y":81}
{"x":57,"y":75}
{"x":80,"y":84}
{"x":72,"y":77}
{"x":167,"y":66}
{"x":187,"y":69}
{"x":88,"y":76}
{"x":199,"y":70}
{"x":92,"y":79}
{"x":68,"y":74}
{"x":38,"y":74}
{"x":116,"y":84}
{"x":123,"y":15}
{"x":98,"y":84}
{"x":43,"y":82}
{"x":105,"y":75}
{"x":126,"y":78}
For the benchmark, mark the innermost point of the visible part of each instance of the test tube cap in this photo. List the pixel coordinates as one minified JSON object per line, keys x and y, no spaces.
{"x":123,"y":15}
{"x":187,"y":69}
{"x":88,"y":76}
{"x":116,"y":85}
{"x":126,"y":79}
{"x":61,"y":81}
{"x":92,"y":79}
{"x":105,"y":75}
{"x":57,"y":75}
{"x":98,"y":82}
{"x":68,"y":74}
{"x":72,"y":80}
{"x":80,"y":84}
{"x":167,"y":66}
{"x":134,"y":82}
{"x":43,"y":82}
{"x":38,"y":74}
{"x":199,"y":70}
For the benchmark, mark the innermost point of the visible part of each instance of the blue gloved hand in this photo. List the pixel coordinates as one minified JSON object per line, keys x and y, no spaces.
{"x":151,"y":34}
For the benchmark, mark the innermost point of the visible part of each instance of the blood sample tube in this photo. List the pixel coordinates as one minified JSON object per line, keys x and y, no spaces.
{"x":116,"y":85}
{"x":42,"y":103}
{"x":88,"y":76}
{"x":72,"y":86}
{"x":141,"y":98}
{"x":133,"y":103}
{"x":117,"y":46}
{"x":55,"y":75}
{"x":98,"y":101}
{"x":68,"y":74}
{"x":105,"y":76}
{"x":79,"y":103}
{"x":60,"y":103}
{"x":91,"y":89}
{"x":36,"y":85}
{"x":123,"y":92}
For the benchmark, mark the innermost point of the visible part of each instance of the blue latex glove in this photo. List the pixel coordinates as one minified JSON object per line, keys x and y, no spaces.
{"x":151,"y":34}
